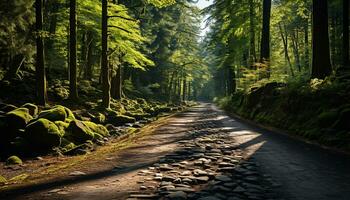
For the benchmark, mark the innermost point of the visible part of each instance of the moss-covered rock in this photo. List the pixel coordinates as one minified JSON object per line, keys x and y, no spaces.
{"x":43,"y":134}
{"x":18,"y":118}
{"x":98,"y":118}
{"x":69,"y":114}
{"x":33,"y":109}
{"x":3,"y":180}
{"x":62,"y":126}
{"x":138,"y":115}
{"x":66,"y":145}
{"x":79,"y":132}
{"x":7,"y":107}
{"x":97,"y":128}
{"x":57,"y":113}
{"x":116,"y":118}
{"x":13,"y":160}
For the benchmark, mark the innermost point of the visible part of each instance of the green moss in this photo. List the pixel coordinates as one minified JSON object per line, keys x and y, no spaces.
{"x":79,"y":132}
{"x":43,"y":134}
{"x":67,"y":145}
{"x":327,"y":118}
{"x":97,"y":128}
{"x":57,"y":113}
{"x":98,"y":118}
{"x":69,"y":114}
{"x":33,"y":109}
{"x":13,"y":160}
{"x":3,"y":180}
{"x":116,"y":118}
{"x":18,"y":118}
{"x":62,"y":126}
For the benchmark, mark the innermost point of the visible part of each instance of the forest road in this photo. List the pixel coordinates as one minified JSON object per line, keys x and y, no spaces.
{"x":203,"y":154}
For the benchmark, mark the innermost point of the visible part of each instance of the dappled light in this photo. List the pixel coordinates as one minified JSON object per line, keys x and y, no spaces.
{"x":174,"y":100}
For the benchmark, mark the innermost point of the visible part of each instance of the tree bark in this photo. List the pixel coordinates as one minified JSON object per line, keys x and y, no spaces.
{"x":295,"y":44}
{"x":252,"y":51}
{"x":285,"y":45}
{"x":73,"y":93}
{"x":40,"y":61}
{"x":89,"y":60}
{"x":231,"y":82}
{"x":265,"y":34}
{"x":321,"y":63}
{"x":346,"y":33}
{"x":106,"y":97}
{"x":306,"y":45}
{"x":118,"y":84}
{"x":184,"y":88}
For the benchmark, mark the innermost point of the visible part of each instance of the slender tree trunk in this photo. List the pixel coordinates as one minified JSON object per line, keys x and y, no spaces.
{"x":40,"y":61}
{"x":231,"y":82}
{"x":106,"y":97}
{"x":321,"y":63}
{"x":296,"y":49}
{"x":89,"y":60}
{"x":285,"y":45}
{"x":118,"y":91}
{"x":184,"y":88}
{"x":346,"y":33}
{"x":306,"y":45}
{"x":252,"y":52}
{"x":265,"y":36}
{"x":333,"y":40}
{"x":83,"y":52}
{"x":73,"y":93}
{"x":189,"y":96}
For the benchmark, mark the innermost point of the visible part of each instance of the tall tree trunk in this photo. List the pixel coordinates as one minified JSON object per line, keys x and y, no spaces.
{"x":321,"y":63}
{"x":189,"y":96}
{"x":118,"y":83}
{"x":83,"y":52}
{"x":231,"y":82}
{"x":40,"y":61}
{"x":89,"y":59}
{"x":252,"y":52}
{"x":73,"y":93}
{"x":184,"y":88}
{"x":285,"y":45}
{"x":106,"y":96}
{"x":54,"y":7}
{"x":346,"y":33}
{"x":265,"y":36}
{"x":306,"y":45}
{"x":295,"y":44}
{"x":333,"y":42}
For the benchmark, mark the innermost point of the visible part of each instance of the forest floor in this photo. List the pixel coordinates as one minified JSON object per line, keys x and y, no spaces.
{"x":202,"y":154}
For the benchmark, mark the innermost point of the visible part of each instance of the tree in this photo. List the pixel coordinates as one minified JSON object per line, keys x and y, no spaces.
{"x":73,"y":51}
{"x":346,"y":33}
{"x":106,"y":85}
{"x":321,"y":63}
{"x":40,"y":61}
{"x":265,"y":33}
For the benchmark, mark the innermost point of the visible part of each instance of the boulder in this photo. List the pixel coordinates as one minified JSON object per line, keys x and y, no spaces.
{"x":18,"y":118}
{"x":43,"y":134}
{"x":33,"y":109}
{"x":97,"y":128}
{"x":3,"y":180}
{"x":57,"y":113}
{"x":62,"y":126}
{"x":13,"y":160}
{"x":79,"y":132}
{"x":118,"y":119}
{"x":7,"y":107}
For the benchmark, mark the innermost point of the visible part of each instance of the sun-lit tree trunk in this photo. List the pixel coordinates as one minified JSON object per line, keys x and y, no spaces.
{"x":189,"y":93}
{"x":40,"y":61}
{"x":73,"y":93}
{"x":106,"y":96}
{"x":346,"y":33}
{"x":321,"y":63}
